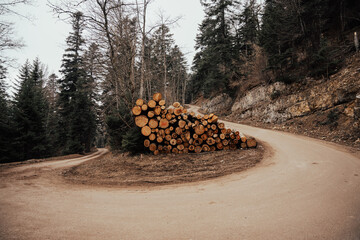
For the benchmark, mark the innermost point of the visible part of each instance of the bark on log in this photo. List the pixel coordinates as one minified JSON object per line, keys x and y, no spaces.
{"x":242,"y":137}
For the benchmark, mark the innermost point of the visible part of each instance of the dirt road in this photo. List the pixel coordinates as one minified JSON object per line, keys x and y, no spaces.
{"x":306,"y":189}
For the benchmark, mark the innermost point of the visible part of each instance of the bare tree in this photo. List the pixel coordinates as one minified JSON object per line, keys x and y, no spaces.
{"x":142,"y":26}
{"x":8,"y":40}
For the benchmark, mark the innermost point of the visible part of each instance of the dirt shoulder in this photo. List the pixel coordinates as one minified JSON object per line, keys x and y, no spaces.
{"x":150,"y":170}
{"x":32,"y":161}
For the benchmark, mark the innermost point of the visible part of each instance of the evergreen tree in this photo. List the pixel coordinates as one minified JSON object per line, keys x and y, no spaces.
{"x":248,"y":27}
{"x":280,"y":31}
{"x":52,"y":116}
{"x":6,"y":131}
{"x":77,"y":121}
{"x":177,"y":74}
{"x":294,"y":35}
{"x":213,"y":63}
{"x":30,"y":114}
{"x":162,"y":41}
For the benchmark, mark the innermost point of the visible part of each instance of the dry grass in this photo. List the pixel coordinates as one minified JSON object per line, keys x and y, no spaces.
{"x":126,"y":170}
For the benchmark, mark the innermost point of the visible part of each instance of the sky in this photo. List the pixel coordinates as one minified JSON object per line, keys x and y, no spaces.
{"x":44,"y":34}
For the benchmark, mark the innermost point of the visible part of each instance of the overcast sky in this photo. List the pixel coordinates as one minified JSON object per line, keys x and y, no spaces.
{"x":44,"y":36}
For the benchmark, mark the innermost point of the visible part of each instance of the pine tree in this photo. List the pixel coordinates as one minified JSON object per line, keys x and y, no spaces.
{"x":30,"y":114}
{"x":213,"y":62}
{"x":296,"y":28}
{"x":6,"y":131}
{"x":77,"y":121}
{"x":177,"y":74}
{"x":249,"y":27}
{"x":162,"y":41}
{"x":52,"y":116}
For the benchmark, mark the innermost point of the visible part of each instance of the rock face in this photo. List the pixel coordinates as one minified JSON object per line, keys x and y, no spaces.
{"x":277,"y":103}
{"x":326,"y":109}
{"x":219,"y":104}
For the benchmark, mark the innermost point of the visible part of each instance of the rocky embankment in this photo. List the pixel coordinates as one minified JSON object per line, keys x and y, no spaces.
{"x":326,"y":109}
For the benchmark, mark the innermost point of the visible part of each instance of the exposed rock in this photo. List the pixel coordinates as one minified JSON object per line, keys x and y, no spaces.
{"x":326,"y":108}
{"x":276,"y":103}
{"x":219,"y":104}
{"x":299,"y":109}
{"x":349,"y":111}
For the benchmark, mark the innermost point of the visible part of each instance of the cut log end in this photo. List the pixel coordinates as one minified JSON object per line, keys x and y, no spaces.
{"x":164,"y":123}
{"x":251,"y":143}
{"x":176,"y":104}
{"x":146,"y":131}
{"x":141,"y":121}
{"x":157,"y":97}
{"x":136,"y":110}
{"x":151,"y":104}
{"x":139,"y":102}
{"x":153,"y":123}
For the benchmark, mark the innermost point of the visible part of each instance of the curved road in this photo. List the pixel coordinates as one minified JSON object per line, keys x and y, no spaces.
{"x":304,"y":189}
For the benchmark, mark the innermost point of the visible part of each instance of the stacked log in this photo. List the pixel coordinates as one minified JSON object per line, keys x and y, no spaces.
{"x":175,"y":130}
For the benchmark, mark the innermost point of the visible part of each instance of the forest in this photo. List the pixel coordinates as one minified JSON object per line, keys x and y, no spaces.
{"x":113,"y":57}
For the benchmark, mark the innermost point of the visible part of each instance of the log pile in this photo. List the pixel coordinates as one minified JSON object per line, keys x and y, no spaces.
{"x":175,"y":130}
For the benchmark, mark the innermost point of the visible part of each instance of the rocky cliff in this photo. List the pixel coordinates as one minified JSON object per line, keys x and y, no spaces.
{"x":327,"y":108}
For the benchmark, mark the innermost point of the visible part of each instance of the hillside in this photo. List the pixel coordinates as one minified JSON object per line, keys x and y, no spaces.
{"x":326,"y":109}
